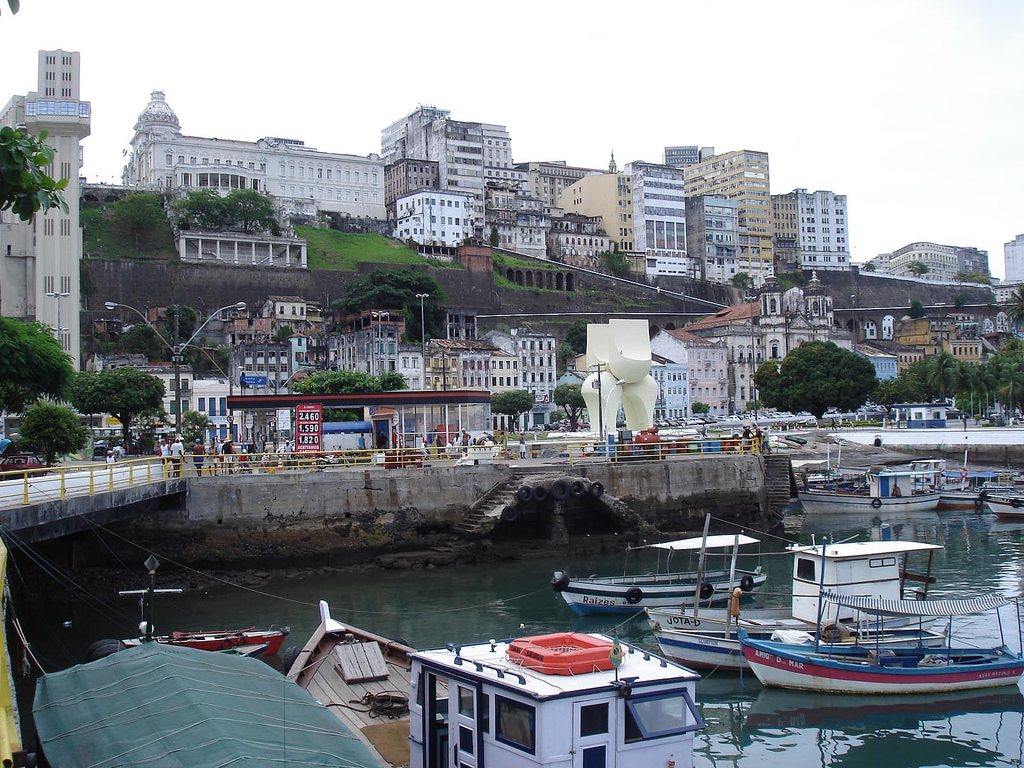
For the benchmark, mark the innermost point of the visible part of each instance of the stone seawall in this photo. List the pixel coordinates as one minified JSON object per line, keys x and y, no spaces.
{"x":355,"y":516}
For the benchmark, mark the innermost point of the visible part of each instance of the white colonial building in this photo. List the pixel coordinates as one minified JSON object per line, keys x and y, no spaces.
{"x":39,"y":259}
{"x":434,"y":217}
{"x":302,"y":179}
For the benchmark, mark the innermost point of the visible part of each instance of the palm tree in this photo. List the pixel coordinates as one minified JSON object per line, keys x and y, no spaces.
{"x":918,"y":268}
{"x":1009,"y":381}
{"x":944,"y":373}
{"x":1015,"y":306}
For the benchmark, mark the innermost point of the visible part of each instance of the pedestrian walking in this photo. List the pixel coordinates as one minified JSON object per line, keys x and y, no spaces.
{"x":177,"y":453}
{"x":198,"y":456}
{"x":522,"y":446}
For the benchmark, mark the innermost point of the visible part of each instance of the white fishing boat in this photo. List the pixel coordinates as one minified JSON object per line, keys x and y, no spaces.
{"x":632,"y":593}
{"x":708,"y":638}
{"x":891,"y":490}
{"x":1006,"y":506}
{"x":569,"y":699}
{"x":874,"y":670}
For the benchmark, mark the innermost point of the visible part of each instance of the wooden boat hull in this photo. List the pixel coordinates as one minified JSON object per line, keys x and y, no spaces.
{"x":631,"y":594}
{"x":787,"y":666}
{"x":957,"y":499}
{"x":830,"y":501}
{"x":1006,"y":507}
{"x":223,"y":640}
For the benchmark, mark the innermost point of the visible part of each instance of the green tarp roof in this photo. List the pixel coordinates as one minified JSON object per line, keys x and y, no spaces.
{"x":162,"y":706}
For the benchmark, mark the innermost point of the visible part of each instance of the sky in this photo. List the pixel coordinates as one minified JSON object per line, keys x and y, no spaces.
{"x":911,"y":108}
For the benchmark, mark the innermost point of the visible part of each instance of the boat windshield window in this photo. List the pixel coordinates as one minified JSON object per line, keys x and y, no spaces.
{"x":660,"y":714}
{"x":805,"y":569}
{"x":594,"y":719}
{"x":517,"y":724}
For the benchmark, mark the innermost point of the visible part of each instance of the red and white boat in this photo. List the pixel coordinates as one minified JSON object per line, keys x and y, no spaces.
{"x":222,"y":640}
{"x":1008,"y":506}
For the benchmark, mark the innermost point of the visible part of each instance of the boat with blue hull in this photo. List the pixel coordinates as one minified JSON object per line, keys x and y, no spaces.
{"x":873,"y":670}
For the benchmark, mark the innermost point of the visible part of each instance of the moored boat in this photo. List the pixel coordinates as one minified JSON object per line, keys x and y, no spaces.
{"x":631,"y":594}
{"x":708,"y":638}
{"x":221,"y":640}
{"x":864,"y":669}
{"x":890,"y":490}
{"x":510,"y":703}
{"x":1009,"y":506}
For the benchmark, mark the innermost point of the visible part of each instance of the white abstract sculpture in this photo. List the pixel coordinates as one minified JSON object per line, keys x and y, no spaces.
{"x":619,"y":355}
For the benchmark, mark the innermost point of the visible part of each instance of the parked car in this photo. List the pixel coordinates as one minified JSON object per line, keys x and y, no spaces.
{"x":20,"y":462}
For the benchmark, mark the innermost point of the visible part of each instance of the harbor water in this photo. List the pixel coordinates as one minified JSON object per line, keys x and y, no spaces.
{"x":746,"y":725}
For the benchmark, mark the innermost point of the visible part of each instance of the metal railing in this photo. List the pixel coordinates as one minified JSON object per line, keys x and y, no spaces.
{"x":35,"y":486}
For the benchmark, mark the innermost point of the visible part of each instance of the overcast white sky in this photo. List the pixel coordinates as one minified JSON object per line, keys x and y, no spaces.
{"x":913,"y":109}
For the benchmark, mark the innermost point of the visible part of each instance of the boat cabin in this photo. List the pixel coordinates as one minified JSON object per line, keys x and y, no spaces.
{"x":566,"y":700}
{"x":920,"y":415}
{"x":858,"y":568}
{"x":883,"y":483}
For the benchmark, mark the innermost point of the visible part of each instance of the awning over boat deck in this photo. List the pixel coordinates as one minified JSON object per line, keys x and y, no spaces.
{"x":718,"y":541}
{"x":970,"y":475}
{"x":925,"y":608}
{"x":160,"y":705}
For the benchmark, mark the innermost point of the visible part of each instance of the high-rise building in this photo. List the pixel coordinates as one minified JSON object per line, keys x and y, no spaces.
{"x":811,"y":231}
{"x":938,"y":263}
{"x":467,"y":154}
{"x":712,"y":231}
{"x":40,"y":258}
{"x":1013,"y":253}
{"x":546,"y":181}
{"x":683,"y":157}
{"x":659,"y":218}
{"x":741,"y":176}
{"x":608,"y":196}
{"x":302,"y":179}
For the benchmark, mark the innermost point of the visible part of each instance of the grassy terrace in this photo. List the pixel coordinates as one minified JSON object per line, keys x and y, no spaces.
{"x":104,"y":239}
{"x":333,"y":250}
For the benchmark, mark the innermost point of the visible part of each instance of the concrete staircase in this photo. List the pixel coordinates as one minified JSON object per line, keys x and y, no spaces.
{"x":486,"y":511}
{"x":779,"y":482}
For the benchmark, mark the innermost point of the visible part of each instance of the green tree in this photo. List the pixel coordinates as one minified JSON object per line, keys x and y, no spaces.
{"x":818,"y":375}
{"x":1015,"y":306}
{"x":396,"y":289}
{"x":25,"y":187}
{"x":52,"y":430}
{"x":32,"y":365}
{"x":742,"y":280}
{"x":513,"y":403}
{"x":570,"y":397}
{"x":348,"y":382}
{"x":495,"y":237}
{"x":576,"y":336}
{"x":766,"y":378}
{"x":193,"y":426}
{"x":944,"y":374}
{"x":615,"y":262}
{"x":699,"y":408}
{"x":916,"y":309}
{"x":141,"y":216}
{"x":141,"y":339}
{"x":284,"y":333}
{"x":126,"y":393}
{"x":250,"y":211}
{"x":82,"y":393}
{"x":201,"y":209}
{"x":918,"y":268}
{"x":869,"y":266}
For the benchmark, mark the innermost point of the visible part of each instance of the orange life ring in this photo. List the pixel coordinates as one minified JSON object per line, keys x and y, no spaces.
{"x":562,"y":653}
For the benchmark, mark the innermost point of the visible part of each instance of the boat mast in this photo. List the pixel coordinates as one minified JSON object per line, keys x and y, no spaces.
{"x":700,"y":566}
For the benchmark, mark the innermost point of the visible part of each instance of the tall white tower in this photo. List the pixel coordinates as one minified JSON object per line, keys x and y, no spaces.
{"x":41,"y":258}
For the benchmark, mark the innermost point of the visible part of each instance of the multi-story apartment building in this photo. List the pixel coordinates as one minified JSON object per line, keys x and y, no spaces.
{"x":301,"y":179}
{"x":39,"y":259}
{"x":410,"y":365}
{"x":712,"y":233}
{"x":458,"y":364}
{"x":536,"y":353}
{"x":608,"y":196}
{"x":928,"y":261}
{"x":706,"y":368}
{"x":683,"y":157}
{"x":742,"y":176}
{"x":547,"y":181}
{"x":367,"y":341}
{"x":520,"y":221}
{"x":434,"y":217}
{"x":263,"y":366}
{"x":467,"y":154}
{"x":811,"y":231}
{"x":673,"y":399}
{"x":577,"y":240}
{"x":1013,"y":254}
{"x":407,"y":176}
{"x":972,"y":261}
{"x":659,"y":218}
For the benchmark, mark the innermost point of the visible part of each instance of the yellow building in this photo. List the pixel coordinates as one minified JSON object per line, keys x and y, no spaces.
{"x":741,"y":176}
{"x":608,"y":195}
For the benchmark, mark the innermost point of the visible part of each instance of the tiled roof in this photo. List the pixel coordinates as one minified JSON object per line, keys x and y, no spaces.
{"x":737,"y":313}
{"x":690,"y":338}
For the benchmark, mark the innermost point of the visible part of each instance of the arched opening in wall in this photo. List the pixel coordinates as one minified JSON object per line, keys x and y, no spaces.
{"x":520,"y":280}
{"x":528,"y":279}
{"x":853,"y":326}
{"x":559,"y":281}
{"x":549,"y":280}
{"x":510,"y":275}
{"x":888,"y":324}
{"x":870,"y":330}
{"x":773,"y":306}
{"x":91,"y":198}
{"x":670,"y":326}
{"x":570,"y":282}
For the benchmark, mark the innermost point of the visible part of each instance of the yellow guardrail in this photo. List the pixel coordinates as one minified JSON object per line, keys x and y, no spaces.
{"x":34,"y":486}
{"x":10,"y":740}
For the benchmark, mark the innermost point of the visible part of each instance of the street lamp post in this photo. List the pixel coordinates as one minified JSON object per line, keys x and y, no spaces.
{"x":177,"y":348}
{"x":58,"y":295}
{"x":423,"y":337}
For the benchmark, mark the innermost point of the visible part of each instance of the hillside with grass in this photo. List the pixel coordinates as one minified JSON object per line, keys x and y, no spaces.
{"x":333,"y":250}
{"x":108,"y":238}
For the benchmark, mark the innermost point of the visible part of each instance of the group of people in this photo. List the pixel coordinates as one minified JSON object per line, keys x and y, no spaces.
{"x":213,"y":459}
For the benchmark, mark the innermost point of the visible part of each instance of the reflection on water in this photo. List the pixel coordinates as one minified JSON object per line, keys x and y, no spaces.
{"x":747,"y":726}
